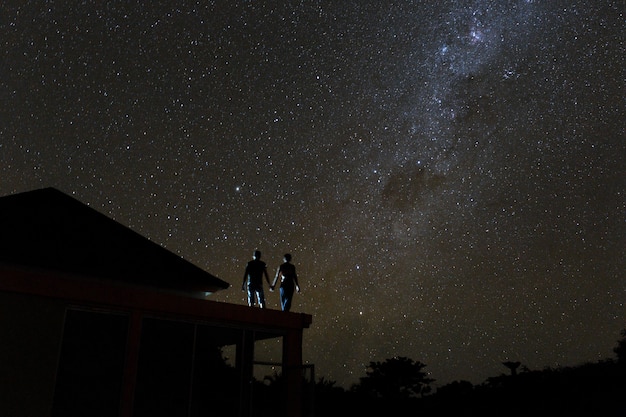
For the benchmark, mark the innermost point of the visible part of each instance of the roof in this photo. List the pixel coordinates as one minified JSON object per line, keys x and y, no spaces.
{"x":48,"y":229}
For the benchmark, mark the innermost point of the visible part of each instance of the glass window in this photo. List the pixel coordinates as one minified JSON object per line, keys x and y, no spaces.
{"x":165,"y":368}
{"x":91,"y":365}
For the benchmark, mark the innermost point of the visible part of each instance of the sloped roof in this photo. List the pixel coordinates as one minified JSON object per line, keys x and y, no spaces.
{"x":48,"y":229}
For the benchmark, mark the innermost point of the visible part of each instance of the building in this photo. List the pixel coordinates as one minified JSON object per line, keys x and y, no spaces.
{"x":97,"y":320}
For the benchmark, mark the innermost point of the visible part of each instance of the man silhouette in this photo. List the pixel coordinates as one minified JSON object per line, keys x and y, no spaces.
{"x":253,"y":277}
{"x":288,"y":282}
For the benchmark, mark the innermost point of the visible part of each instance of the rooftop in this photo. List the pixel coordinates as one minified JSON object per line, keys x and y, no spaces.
{"x":47,"y":229}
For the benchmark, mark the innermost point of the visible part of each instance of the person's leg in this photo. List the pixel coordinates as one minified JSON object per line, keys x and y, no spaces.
{"x":286,"y":295}
{"x":250,"y":296}
{"x":282,"y":298}
{"x":261,"y":297}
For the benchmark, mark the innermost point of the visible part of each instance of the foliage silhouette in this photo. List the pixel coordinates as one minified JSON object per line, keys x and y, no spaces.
{"x":399,"y":387}
{"x":512,"y":366}
{"x":395,"y":378}
{"x":620,"y":349}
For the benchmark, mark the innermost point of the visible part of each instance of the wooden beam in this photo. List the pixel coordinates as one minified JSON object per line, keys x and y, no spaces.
{"x":129,"y":382}
{"x":292,"y":370}
{"x":90,"y":291}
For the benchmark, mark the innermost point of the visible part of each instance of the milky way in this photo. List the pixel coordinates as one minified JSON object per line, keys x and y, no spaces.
{"x":449,"y":176}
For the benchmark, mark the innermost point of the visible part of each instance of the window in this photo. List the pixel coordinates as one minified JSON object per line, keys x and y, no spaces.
{"x":91,"y":365}
{"x":182,"y":371}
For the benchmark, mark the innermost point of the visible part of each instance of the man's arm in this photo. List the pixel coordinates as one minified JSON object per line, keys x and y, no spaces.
{"x":295,"y":279}
{"x":275,"y":279}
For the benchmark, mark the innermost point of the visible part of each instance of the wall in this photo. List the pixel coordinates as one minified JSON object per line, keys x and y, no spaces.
{"x":30,"y":337}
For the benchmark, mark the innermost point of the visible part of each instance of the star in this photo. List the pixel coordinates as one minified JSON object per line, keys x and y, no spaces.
{"x":447,"y":175}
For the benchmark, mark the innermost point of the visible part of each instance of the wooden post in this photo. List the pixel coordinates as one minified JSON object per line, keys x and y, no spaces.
{"x":244,"y":364}
{"x":292,"y":369}
{"x":131,"y":364}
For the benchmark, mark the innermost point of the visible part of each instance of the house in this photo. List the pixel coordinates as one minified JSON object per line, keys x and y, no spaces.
{"x":97,"y":320}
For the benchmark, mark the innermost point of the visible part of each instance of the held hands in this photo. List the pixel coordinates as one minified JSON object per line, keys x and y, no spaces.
{"x":272,"y":287}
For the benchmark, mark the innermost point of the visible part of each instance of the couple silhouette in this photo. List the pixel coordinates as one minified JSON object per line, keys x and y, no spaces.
{"x":256,"y":269}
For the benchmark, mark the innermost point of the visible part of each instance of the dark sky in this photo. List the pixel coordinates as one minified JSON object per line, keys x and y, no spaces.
{"x":449,"y":176}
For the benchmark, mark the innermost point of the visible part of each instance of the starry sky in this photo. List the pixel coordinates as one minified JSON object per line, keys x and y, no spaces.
{"x":448,"y":176}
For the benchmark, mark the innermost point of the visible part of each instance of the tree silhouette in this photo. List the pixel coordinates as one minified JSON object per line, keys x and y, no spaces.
{"x":620,"y":349}
{"x":396,"y":378}
{"x":456,"y":390}
{"x":512,"y":366}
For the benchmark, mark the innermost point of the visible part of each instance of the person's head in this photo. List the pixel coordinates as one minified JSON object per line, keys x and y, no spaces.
{"x":256,"y":254}
{"x":287,"y":257}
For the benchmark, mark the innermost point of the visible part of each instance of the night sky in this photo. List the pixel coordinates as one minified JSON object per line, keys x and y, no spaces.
{"x":448,"y":176}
